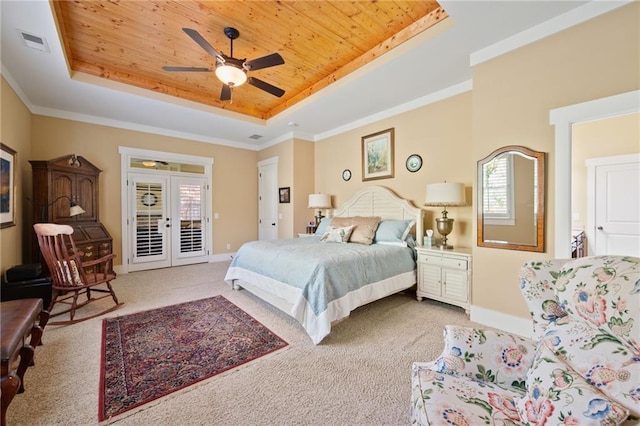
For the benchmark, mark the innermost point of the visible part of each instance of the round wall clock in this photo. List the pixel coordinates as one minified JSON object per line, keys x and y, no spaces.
{"x":346,"y":174}
{"x":414,"y":163}
{"x":148,"y":199}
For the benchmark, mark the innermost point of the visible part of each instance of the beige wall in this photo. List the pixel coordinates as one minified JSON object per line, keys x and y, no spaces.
{"x":284,"y":152}
{"x":303,"y":160}
{"x":594,"y":139}
{"x":234,"y":173}
{"x":15,"y":132}
{"x":440,"y":133}
{"x":512,"y":97}
{"x":295,"y":170}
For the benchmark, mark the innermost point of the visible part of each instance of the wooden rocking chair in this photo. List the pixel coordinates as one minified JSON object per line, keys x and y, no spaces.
{"x":70,"y":275}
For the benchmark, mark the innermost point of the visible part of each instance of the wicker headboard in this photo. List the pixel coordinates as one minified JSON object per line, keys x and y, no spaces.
{"x":380,"y":201}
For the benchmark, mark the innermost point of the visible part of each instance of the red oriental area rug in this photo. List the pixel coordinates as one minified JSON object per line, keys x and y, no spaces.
{"x":151,"y":354}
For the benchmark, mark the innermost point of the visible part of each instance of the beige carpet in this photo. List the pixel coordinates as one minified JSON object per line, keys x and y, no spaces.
{"x":359,"y":374}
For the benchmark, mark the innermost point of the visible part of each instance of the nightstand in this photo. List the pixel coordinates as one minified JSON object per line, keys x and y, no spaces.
{"x":311,"y":229}
{"x":445,"y":275}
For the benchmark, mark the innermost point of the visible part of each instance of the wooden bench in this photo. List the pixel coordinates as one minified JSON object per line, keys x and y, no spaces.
{"x":19,"y":319}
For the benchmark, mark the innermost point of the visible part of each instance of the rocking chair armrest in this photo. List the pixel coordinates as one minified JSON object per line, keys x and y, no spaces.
{"x":487,"y":355}
{"x":103,"y":259}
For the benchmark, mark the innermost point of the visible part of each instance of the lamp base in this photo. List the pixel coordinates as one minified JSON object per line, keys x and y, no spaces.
{"x":444,"y":225}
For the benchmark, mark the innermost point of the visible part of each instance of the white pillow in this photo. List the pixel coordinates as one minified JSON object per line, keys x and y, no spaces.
{"x":337,"y":235}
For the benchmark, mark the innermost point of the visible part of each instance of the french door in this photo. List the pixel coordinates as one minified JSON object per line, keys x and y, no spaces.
{"x":167,"y":224}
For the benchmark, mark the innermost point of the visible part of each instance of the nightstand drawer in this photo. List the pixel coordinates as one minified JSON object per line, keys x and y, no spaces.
{"x":443,"y":261}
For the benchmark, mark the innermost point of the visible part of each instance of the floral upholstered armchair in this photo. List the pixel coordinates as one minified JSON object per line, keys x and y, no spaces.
{"x":582,"y":365}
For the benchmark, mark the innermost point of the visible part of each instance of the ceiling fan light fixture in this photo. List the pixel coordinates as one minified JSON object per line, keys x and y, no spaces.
{"x":231,"y":75}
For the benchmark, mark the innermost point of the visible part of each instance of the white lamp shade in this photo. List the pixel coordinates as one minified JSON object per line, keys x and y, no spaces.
{"x":75,"y":210}
{"x":231,"y":75}
{"x":445,"y":194}
{"x":319,"y":201}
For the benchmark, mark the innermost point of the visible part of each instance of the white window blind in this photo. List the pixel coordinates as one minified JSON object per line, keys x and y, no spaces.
{"x":191,"y":236}
{"x":498,"y":190}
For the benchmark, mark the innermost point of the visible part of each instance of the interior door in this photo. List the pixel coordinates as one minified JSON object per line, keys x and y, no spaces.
{"x":268,"y":201}
{"x":617,"y":209}
{"x":188,"y":224}
{"x":150,"y":222}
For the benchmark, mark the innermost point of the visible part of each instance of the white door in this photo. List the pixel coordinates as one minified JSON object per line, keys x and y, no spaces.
{"x":268,"y":200}
{"x":616,"y":200}
{"x":149,"y":223}
{"x":167,"y":221}
{"x":188,"y":224}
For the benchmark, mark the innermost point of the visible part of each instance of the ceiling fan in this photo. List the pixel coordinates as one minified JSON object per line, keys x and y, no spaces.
{"x":232,"y":72}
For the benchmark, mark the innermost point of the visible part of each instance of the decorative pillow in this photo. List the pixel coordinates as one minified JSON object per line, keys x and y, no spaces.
{"x":364,"y":227}
{"x":393,"y":231}
{"x":323,"y":225}
{"x":558,"y":395}
{"x":337,"y":235}
{"x":70,"y":272}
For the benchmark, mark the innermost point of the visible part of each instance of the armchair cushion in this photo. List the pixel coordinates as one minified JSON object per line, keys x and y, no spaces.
{"x":440,"y":398}
{"x":558,"y":395}
{"x":486,"y":355}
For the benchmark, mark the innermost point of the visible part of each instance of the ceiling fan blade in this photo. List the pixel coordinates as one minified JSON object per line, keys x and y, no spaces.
{"x":225,"y":95}
{"x":275,"y":91}
{"x":190,"y":69}
{"x":264,"y":62}
{"x":202,"y":42}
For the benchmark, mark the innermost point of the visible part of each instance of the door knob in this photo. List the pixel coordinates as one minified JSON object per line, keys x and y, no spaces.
{"x":600,"y":228}
{"x":273,"y":224}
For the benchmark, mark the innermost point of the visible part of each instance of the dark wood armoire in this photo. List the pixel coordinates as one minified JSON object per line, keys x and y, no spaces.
{"x":58,"y":182}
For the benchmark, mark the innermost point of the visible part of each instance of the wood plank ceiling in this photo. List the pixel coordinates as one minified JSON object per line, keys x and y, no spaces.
{"x":129,"y":41}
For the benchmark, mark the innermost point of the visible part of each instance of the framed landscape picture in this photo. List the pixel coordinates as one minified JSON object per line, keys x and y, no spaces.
{"x":7,"y":186}
{"x":377,"y":155}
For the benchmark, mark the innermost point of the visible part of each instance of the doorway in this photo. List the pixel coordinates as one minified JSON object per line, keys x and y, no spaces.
{"x":166,"y":209}
{"x":563,"y":119}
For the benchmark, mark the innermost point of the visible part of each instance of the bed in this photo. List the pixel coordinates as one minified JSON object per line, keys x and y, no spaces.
{"x":320,"y":283}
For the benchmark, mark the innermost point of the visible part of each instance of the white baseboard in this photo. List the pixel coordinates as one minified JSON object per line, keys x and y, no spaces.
{"x":512,"y":324}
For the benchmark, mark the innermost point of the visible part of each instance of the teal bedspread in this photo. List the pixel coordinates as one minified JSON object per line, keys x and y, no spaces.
{"x":325,"y":273}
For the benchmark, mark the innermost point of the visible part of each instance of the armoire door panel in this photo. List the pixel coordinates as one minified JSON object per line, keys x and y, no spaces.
{"x":85,"y":197}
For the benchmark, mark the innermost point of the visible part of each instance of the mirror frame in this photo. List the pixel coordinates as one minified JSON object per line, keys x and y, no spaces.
{"x":540,"y":218}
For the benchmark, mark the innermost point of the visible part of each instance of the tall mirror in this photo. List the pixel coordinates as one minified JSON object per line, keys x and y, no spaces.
{"x":511,"y":195}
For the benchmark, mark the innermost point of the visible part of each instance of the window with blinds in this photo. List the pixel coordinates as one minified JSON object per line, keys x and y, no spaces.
{"x":149,"y":204}
{"x":191,"y":233}
{"x":498,"y":189}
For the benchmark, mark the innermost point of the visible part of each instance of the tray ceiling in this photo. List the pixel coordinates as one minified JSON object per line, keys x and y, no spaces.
{"x":321,"y":42}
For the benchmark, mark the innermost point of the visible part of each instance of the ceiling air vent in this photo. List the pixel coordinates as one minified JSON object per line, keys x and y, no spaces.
{"x":255,"y":137}
{"x":33,"y":41}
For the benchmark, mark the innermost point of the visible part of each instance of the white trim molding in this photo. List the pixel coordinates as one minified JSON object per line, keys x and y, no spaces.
{"x":563,"y":119}
{"x":552,"y":26}
{"x":126,"y":153}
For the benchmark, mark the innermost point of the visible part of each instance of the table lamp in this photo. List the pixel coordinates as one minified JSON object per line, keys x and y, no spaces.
{"x":319,"y":201}
{"x":74,"y":209}
{"x":446,"y":194}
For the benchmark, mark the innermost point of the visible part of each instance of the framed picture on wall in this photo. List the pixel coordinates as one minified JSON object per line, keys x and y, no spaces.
{"x":377,"y":155}
{"x":285,"y":196}
{"x":7,"y":186}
